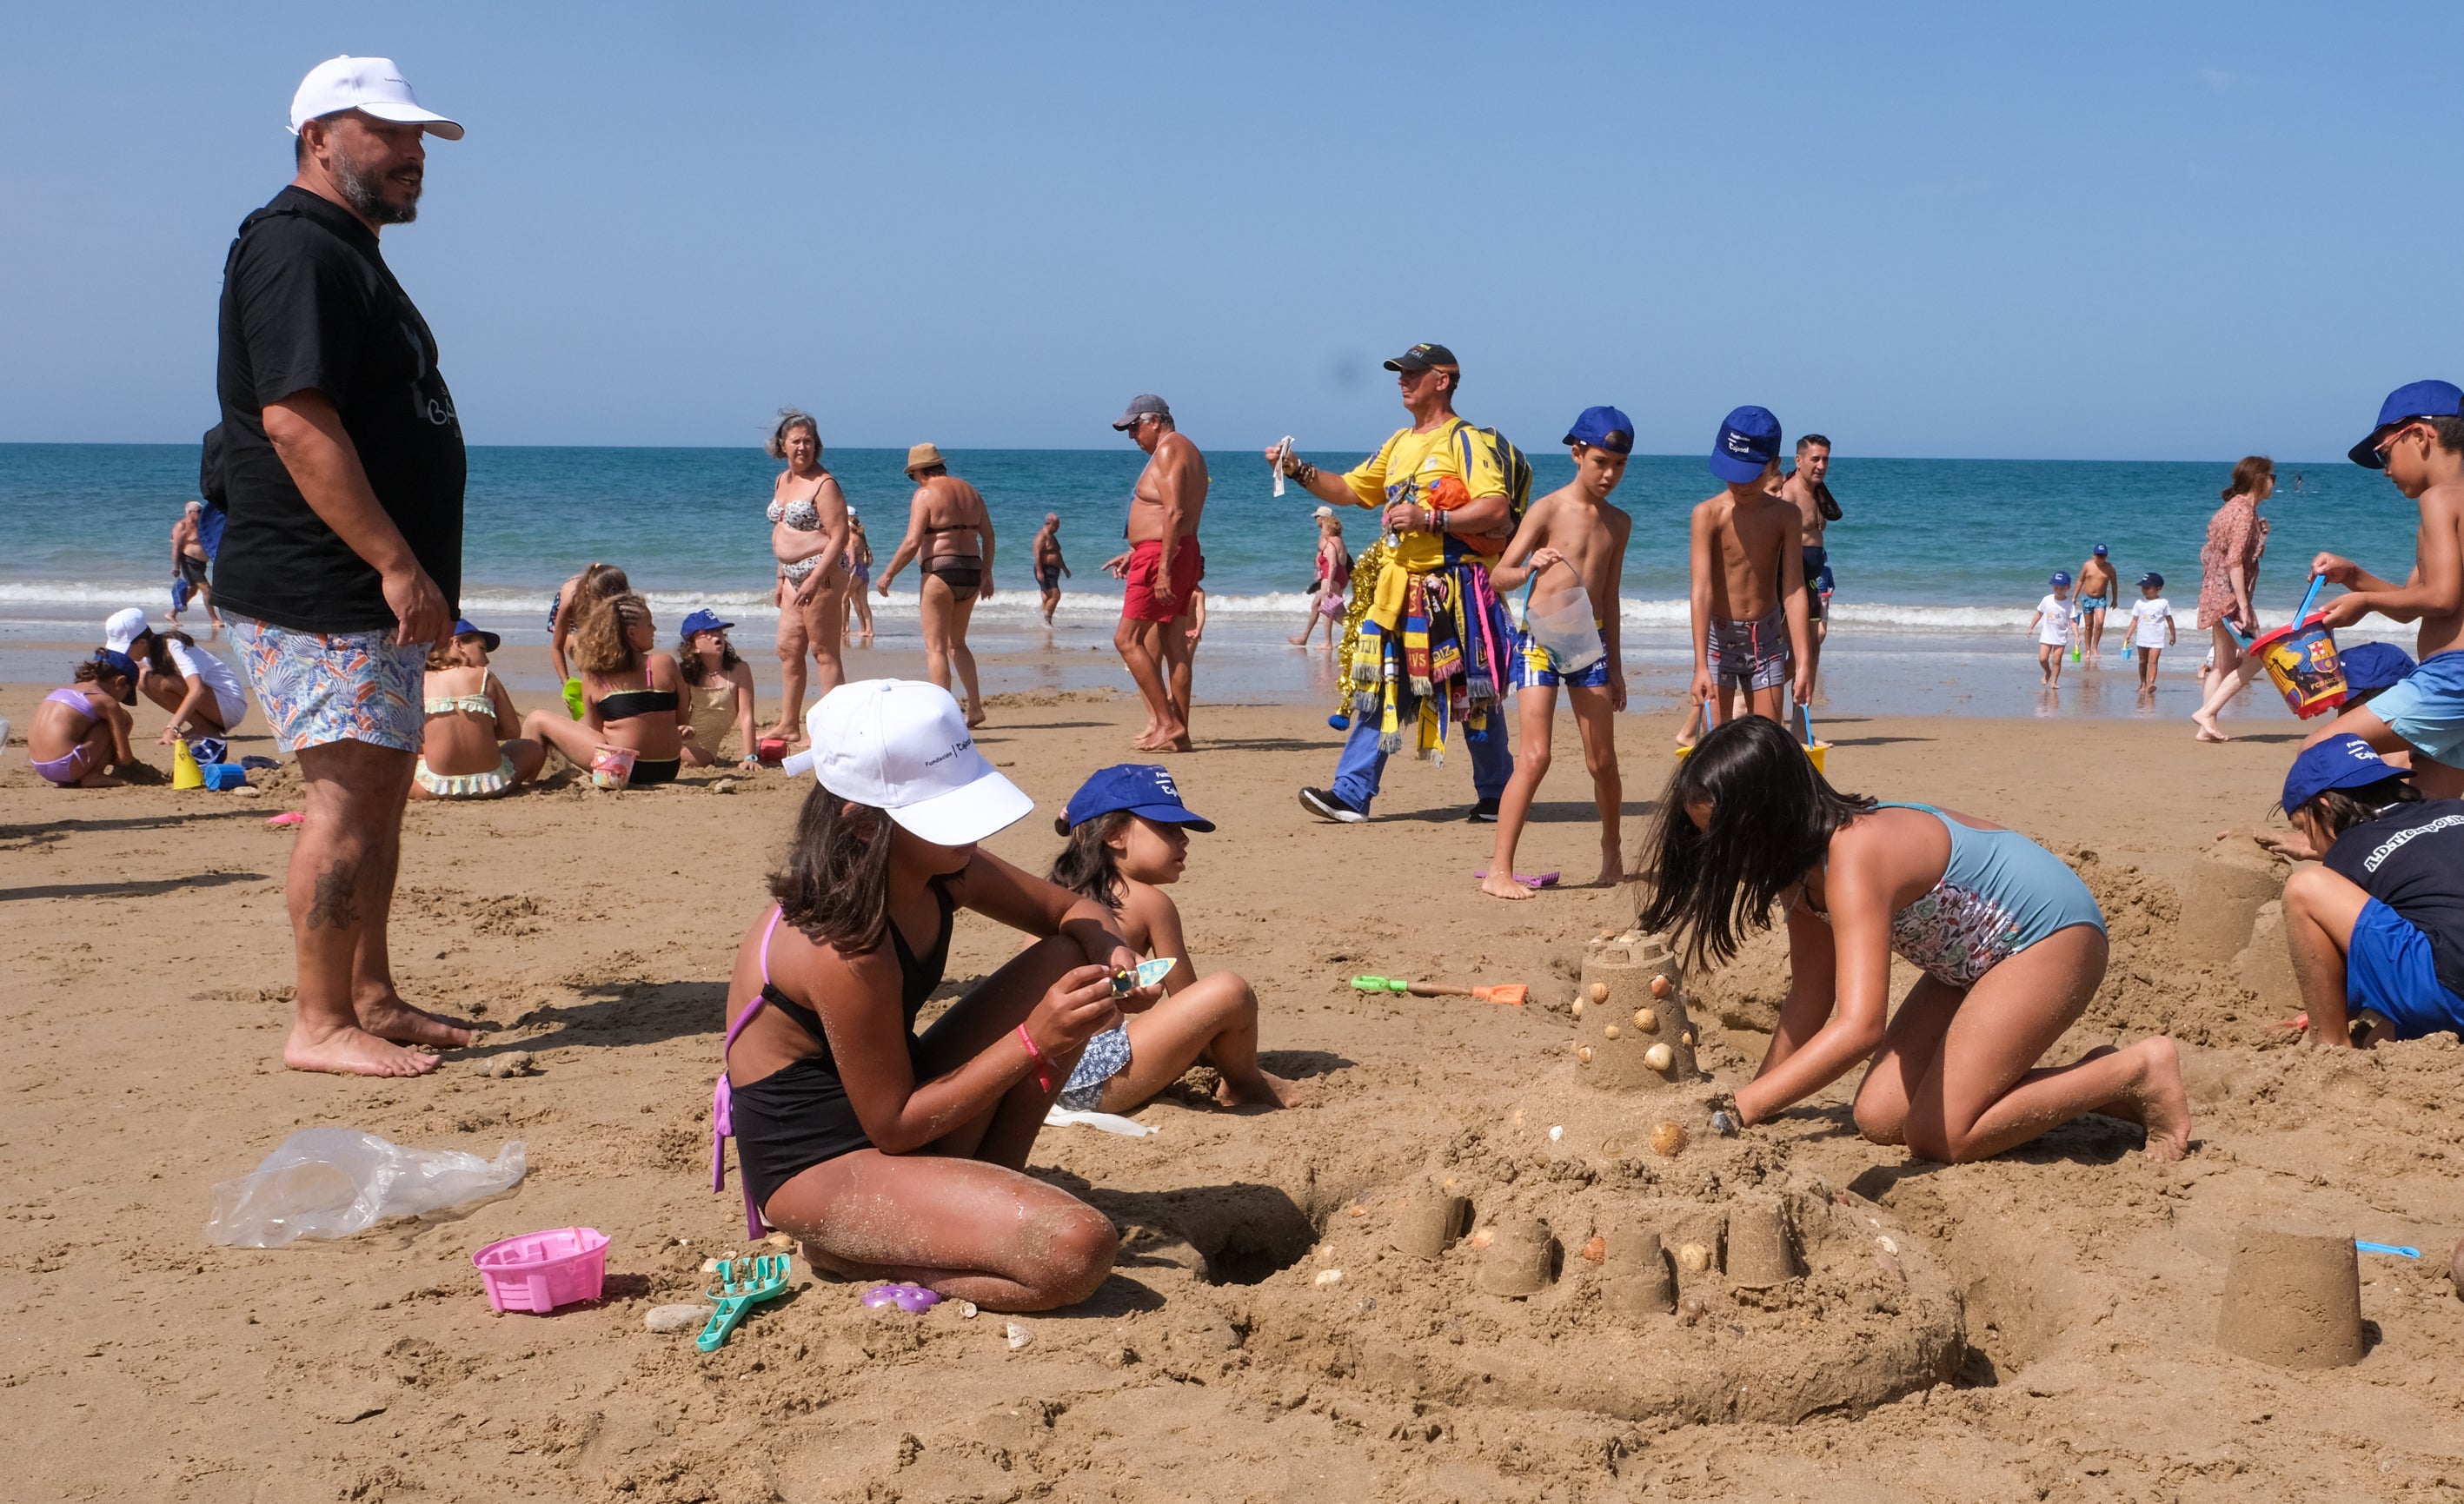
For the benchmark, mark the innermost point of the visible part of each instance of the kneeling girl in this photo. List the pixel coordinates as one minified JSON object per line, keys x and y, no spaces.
{"x":2010,"y":943}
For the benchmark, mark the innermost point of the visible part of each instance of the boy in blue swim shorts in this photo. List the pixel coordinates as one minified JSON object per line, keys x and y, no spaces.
{"x":2419,"y":442}
{"x":2377,"y":930}
{"x":1571,"y":546}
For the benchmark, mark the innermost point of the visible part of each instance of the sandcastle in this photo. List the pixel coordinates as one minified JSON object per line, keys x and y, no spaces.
{"x":1602,"y":1246}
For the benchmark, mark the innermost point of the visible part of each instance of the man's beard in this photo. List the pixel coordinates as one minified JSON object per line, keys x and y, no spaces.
{"x":364,"y":193}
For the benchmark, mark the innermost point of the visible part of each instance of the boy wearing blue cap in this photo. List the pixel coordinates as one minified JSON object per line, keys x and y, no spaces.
{"x":1751,"y":629}
{"x":1571,"y":545}
{"x":2151,"y":629}
{"x":2419,"y":442}
{"x":2051,"y":625}
{"x":2377,"y":928}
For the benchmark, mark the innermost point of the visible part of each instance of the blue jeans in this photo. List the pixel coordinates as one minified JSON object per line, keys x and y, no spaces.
{"x":1362,"y":766}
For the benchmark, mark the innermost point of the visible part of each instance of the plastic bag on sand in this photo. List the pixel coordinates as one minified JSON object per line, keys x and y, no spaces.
{"x":335,"y":1182}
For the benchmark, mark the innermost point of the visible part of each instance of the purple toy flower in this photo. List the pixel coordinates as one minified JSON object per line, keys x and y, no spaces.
{"x":910,"y":1299}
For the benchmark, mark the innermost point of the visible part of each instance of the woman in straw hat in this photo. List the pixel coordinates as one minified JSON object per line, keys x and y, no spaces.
{"x":950,"y":531}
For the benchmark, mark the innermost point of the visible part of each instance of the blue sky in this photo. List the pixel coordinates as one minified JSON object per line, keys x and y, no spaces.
{"x":2089,"y":230}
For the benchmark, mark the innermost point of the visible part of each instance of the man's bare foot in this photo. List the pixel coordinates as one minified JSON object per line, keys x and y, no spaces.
{"x":392,"y":1019}
{"x":1270,"y":1091}
{"x":1612,"y":870}
{"x":1499,"y":883}
{"x":352,"y":1052}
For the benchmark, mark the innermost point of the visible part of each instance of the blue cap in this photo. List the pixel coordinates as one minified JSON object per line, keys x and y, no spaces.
{"x":701,"y":622}
{"x":1602,"y":429}
{"x":122,"y":664}
{"x":2099,"y":551}
{"x":2151,"y":580}
{"x":1140,"y":788}
{"x":489,"y":641}
{"x":2419,"y":399}
{"x":2061,"y":576}
{"x":2340,"y":762}
{"x":2369,"y":666}
{"x":1748,"y":444}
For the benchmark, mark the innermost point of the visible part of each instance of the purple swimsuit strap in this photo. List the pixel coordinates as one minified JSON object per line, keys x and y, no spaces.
{"x":761,"y":998}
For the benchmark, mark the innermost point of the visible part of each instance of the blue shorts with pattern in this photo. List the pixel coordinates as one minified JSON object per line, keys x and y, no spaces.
{"x":320,"y":687}
{"x":1105,"y":1055}
{"x":1531,"y":670}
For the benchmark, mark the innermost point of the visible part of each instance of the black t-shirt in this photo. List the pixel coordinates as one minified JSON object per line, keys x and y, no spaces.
{"x":2411,"y":859}
{"x":309,"y":303}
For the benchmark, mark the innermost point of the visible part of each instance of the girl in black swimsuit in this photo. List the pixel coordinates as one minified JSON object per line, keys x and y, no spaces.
{"x":613,"y":644}
{"x":895,"y":1155}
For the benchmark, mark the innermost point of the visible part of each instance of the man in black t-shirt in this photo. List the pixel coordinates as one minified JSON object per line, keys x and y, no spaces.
{"x":340,"y":462}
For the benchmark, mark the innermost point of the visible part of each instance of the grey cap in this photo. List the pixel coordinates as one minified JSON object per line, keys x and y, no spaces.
{"x":1146,"y":404}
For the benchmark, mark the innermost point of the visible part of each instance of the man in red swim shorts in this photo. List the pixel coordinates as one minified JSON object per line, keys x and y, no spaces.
{"x":1163,"y":565}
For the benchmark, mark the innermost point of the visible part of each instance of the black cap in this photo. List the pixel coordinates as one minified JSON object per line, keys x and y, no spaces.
{"x":1425,"y":358}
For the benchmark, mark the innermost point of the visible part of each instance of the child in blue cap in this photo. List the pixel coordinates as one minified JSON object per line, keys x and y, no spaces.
{"x":1750,"y":624}
{"x":2377,"y":928}
{"x":1128,"y":840}
{"x":2051,"y":625}
{"x":1570,"y":543}
{"x":2419,"y":443}
{"x":2151,"y":629}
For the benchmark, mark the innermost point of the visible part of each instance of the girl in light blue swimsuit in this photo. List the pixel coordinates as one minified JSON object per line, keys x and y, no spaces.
{"x":2010,"y":940}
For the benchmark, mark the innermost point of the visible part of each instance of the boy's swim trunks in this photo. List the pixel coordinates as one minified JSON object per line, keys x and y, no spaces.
{"x":1531,"y":670}
{"x":1751,"y":654}
{"x":2428,"y":709}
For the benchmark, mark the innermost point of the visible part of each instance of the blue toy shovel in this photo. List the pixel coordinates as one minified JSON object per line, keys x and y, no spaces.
{"x":2386,"y":1248}
{"x":762,"y":1278}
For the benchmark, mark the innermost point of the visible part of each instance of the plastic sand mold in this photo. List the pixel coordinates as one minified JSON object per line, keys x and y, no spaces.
{"x":743,"y":1283}
{"x":1147,"y":974}
{"x":914,"y":1299}
{"x":2386,"y":1248}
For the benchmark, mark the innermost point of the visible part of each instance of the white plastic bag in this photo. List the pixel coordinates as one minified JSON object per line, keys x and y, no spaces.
{"x":335,"y":1182}
{"x":1109,"y":1123}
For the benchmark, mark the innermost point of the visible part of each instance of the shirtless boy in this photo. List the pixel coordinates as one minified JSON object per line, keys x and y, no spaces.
{"x":1817,"y":510}
{"x":188,"y":563}
{"x":1049,"y":565}
{"x":2419,"y":442}
{"x":1571,"y":534}
{"x":1162,"y":566}
{"x":2097,"y":595}
{"x":1748,"y":596}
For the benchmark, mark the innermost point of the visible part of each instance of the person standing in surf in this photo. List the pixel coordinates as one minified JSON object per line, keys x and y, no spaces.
{"x":1807,"y":490}
{"x":808,"y":533}
{"x":1049,"y":566}
{"x":1162,"y":566}
{"x":2097,"y":594}
{"x":950,"y":533}
{"x":2229,"y":568}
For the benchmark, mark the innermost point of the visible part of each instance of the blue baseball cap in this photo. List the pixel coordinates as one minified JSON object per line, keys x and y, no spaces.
{"x":2151,"y":580}
{"x":2061,"y":576}
{"x":1602,"y":429}
{"x":2099,"y":551}
{"x":2340,"y":762}
{"x":701,"y":622}
{"x":1140,"y":788}
{"x":489,"y":641}
{"x":122,"y":664}
{"x":2418,"y":400}
{"x":2369,"y":666}
{"x":1748,"y":444}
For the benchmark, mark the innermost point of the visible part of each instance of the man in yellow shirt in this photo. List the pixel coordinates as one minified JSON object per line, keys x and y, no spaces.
{"x":1432,"y":650}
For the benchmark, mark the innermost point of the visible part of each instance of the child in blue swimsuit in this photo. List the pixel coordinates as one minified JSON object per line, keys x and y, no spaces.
{"x":2010,"y":943}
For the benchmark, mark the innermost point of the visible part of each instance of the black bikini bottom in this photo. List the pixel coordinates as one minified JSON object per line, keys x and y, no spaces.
{"x":647,"y":773}
{"x":960,"y":575}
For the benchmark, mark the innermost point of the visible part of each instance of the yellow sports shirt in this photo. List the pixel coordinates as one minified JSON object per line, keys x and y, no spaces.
{"x":1409,"y":464}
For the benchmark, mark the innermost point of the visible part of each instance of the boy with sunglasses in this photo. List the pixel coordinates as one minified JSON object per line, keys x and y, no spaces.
{"x":2419,"y":442}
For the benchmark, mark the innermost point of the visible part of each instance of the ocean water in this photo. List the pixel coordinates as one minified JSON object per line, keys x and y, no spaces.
{"x":1940,"y":562}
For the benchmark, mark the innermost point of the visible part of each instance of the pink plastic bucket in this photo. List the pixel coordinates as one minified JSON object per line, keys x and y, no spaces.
{"x":612,"y":767}
{"x":542,"y":1271}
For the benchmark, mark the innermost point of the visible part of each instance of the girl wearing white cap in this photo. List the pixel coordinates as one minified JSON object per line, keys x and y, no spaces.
{"x":894,"y":1154}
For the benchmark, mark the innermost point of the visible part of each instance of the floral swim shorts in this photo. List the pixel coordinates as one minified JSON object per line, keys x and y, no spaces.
{"x":320,"y":687}
{"x":1107,"y":1056}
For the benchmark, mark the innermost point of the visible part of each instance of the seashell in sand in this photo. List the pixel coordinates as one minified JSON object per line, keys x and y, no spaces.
{"x":1600,"y":992}
{"x":1693,"y":1257}
{"x":1578,"y":1007}
{"x":1686,"y":1039}
{"x":1017,"y":1336}
{"x":1667,"y":1139}
{"x":1484,"y":1236}
{"x":1646,"y":1020}
{"x":1556,"y":1131}
{"x":1659,"y":1056}
{"x":1584,"y":1054}
{"x":1609,"y":1033}
{"x":1596,"y":1249}
{"x":1660,"y":987}
{"x":1327,"y":1276}
{"x":1689,"y":1310}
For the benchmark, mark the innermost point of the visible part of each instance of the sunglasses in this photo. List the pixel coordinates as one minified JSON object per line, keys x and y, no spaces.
{"x":2380,"y":447}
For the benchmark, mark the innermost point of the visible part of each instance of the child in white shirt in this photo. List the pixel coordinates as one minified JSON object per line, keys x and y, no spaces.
{"x":2151,"y":629}
{"x":2051,"y":625}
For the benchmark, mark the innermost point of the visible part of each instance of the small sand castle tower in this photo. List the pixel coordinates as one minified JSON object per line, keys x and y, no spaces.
{"x":1632,"y":1032}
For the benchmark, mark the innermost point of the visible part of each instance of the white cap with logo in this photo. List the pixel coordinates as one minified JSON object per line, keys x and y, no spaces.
{"x":904,"y":747}
{"x":371,"y":86}
{"x":123,"y":627}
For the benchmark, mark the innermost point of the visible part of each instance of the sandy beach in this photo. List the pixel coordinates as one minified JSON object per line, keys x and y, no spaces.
{"x":2041,"y":1325}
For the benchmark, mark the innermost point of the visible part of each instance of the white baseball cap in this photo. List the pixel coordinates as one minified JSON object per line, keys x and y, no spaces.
{"x":123,"y":627}
{"x":904,"y":747}
{"x":372,"y":85}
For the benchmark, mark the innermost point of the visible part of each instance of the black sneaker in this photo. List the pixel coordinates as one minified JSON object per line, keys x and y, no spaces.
{"x":1483,"y":813}
{"x":1327,"y":805}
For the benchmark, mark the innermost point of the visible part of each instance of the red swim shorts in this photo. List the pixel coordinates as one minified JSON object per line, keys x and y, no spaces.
{"x":1188,"y":567}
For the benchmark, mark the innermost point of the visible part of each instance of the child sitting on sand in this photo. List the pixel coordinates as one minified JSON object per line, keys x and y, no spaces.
{"x":597,"y":582}
{"x":2010,"y":943}
{"x":718,"y":692}
{"x":2051,"y":626}
{"x":2377,"y":928}
{"x":471,"y":745}
{"x":1569,"y":538}
{"x":205,"y":698}
{"x":81,"y":729}
{"x":632,"y":695}
{"x":2151,"y":628}
{"x":1128,"y":840}
{"x":1748,"y":601}
{"x":894,"y":1155}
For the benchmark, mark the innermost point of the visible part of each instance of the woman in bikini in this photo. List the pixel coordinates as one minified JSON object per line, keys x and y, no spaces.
{"x":634,"y":695}
{"x":2010,"y":943}
{"x":472,"y":745}
{"x":950,"y":531}
{"x":894,"y":1154}
{"x":859,"y":579}
{"x":82,"y":729}
{"x":718,"y":692}
{"x":808,"y":532}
